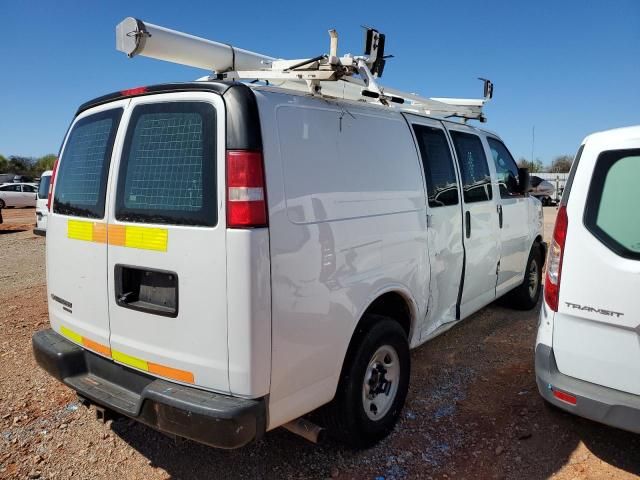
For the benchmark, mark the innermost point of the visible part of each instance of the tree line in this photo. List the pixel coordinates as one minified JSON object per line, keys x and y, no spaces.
{"x":560,"y":164}
{"x":33,"y":167}
{"x":27,"y":166}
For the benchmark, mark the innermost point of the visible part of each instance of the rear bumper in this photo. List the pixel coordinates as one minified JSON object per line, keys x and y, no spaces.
{"x":217,"y":420}
{"x":595,"y":402}
{"x":40,"y":231}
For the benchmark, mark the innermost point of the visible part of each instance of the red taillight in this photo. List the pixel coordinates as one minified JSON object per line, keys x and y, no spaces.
{"x":51,"y":181}
{"x":246,"y":198}
{"x":133,"y":91}
{"x":554,"y":264}
{"x":565,"y":397}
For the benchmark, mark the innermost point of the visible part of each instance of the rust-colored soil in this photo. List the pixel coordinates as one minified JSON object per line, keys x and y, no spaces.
{"x":473,"y":412}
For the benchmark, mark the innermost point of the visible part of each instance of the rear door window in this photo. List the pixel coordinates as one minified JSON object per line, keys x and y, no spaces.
{"x":43,"y":188}
{"x":440,"y":174}
{"x":167,"y":171}
{"x":612,"y":213}
{"x":10,"y":188}
{"x":84,"y":166}
{"x":476,"y":179}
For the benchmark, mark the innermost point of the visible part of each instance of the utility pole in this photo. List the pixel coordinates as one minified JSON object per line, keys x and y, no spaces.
{"x":533,"y":142}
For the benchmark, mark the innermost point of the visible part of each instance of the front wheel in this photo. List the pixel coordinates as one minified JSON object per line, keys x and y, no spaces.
{"x":373,"y":384}
{"x":525,"y":297}
{"x":2,"y":204}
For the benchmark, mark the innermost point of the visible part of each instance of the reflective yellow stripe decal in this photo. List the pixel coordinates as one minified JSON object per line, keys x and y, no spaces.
{"x":78,"y":230}
{"x":146,"y":238}
{"x":135,"y":362}
{"x":71,"y":335}
{"x":129,"y":360}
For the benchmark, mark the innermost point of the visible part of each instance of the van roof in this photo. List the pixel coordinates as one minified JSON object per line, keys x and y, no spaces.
{"x":222,"y":87}
{"x":615,"y":135}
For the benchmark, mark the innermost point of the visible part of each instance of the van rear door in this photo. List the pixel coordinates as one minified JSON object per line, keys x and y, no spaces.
{"x":596,"y":335}
{"x":167,"y":240}
{"x":77,"y":230}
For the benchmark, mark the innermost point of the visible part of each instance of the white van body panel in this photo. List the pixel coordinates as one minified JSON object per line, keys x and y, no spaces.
{"x":347,"y":222}
{"x":588,"y":344}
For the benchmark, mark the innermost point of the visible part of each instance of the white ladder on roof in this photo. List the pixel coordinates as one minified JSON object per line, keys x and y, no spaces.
{"x":349,"y":77}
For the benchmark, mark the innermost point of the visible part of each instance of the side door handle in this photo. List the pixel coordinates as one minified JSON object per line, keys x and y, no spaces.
{"x":500,"y":215}
{"x":467,"y":223}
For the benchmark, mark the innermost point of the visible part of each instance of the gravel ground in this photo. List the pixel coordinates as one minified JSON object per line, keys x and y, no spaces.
{"x":473,"y":412}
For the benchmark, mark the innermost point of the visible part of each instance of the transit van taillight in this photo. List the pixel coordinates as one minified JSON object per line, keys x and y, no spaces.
{"x":52,"y":180}
{"x":554,"y":264}
{"x":246,"y":195}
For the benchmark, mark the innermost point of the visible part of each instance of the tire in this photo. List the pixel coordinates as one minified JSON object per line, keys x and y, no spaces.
{"x":525,"y":297}
{"x":2,"y":204}
{"x":379,"y":352}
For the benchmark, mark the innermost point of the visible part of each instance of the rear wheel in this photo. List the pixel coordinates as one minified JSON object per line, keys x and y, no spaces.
{"x":2,"y":204}
{"x":373,"y":384}
{"x":525,"y":297}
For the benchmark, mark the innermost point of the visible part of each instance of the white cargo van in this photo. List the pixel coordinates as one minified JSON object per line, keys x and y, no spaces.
{"x":224,"y":258}
{"x":42,"y":203}
{"x":587,"y":352}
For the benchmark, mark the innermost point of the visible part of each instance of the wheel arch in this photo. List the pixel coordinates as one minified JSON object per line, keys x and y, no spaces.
{"x":394,"y":302}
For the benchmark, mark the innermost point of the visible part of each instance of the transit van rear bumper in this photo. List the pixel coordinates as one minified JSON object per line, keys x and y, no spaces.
{"x":213,"y":419}
{"x":595,"y":402}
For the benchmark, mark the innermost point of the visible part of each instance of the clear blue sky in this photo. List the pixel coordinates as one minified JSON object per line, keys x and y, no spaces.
{"x":567,"y":67}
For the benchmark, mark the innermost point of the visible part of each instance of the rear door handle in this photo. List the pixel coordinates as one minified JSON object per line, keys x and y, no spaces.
{"x":500,"y":215}
{"x":467,"y":223}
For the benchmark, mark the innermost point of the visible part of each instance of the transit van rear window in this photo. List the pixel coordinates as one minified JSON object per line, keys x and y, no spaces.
{"x":611,"y":212}
{"x":81,"y":182}
{"x":167,"y":172}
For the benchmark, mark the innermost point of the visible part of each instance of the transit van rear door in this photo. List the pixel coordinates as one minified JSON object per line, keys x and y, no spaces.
{"x":596,"y":333}
{"x":77,"y":229}
{"x":167,"y":240}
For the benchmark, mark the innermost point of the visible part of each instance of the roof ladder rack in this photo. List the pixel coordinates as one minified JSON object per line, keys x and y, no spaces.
{"x":329,"y":75}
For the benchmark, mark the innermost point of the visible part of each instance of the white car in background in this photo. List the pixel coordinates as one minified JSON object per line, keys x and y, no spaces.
{"x":18,"y":195}
{"x":42,"y":207}
{"x":588,"y":345}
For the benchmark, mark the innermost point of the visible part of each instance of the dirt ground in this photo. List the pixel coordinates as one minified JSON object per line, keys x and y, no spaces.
{"x":473,"y":410}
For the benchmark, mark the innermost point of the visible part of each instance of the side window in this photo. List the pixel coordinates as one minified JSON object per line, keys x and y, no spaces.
{"x":476,"y":179}
{"x":81,"y":183}
{"x":29,"y":188}
{"x":167,"y":172}
{"x":506,"y":168}
{"x":611,"y":212}
{"x":440,"y":174}
{"x":11,"y":188}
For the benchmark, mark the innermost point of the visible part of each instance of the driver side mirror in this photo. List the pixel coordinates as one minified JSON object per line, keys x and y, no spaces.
{"x":524,"y":180}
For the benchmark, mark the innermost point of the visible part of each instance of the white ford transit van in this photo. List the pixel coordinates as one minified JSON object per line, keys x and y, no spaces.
{"x":587,"y":352}
{"x":42,"y":203}
{"x":223,"y":259}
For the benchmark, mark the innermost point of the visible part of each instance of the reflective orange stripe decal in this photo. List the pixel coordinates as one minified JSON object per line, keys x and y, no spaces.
{"x":96,"y":347}
{"x":169,"y":372}
{"x":100,"y":232}
{"x":117,"y":235}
